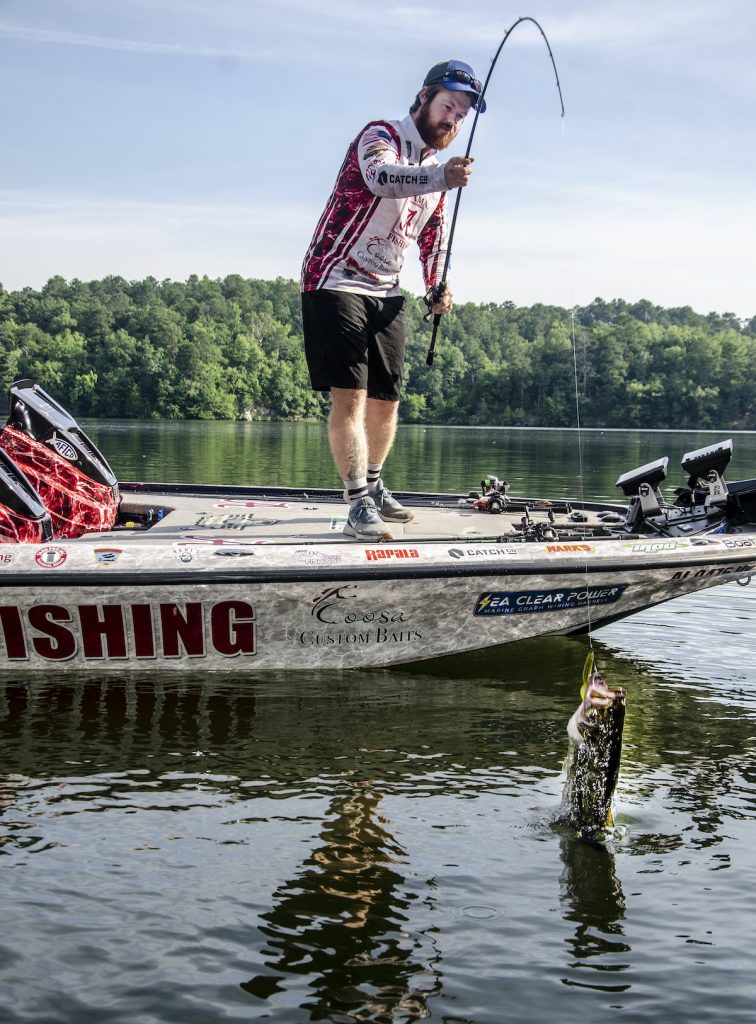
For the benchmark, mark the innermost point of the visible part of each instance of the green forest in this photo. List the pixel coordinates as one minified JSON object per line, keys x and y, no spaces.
{"x":231,"y":348}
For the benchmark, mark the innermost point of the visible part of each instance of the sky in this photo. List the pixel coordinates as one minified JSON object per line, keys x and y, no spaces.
{"x":166,"y":138}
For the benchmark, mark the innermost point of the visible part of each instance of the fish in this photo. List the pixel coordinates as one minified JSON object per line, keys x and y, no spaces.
{"x":593,"y":758}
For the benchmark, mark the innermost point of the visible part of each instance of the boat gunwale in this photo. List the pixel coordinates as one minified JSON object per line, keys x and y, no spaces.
{"x":102,"y":576}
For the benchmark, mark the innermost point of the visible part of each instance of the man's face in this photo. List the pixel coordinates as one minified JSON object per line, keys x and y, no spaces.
{"x":439,"y":120}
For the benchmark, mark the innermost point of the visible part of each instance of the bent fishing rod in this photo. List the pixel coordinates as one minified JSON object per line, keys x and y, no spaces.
{"x":437,"y":291}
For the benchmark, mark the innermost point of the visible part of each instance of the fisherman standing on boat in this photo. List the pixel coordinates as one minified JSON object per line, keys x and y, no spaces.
{"x":390,"y":191}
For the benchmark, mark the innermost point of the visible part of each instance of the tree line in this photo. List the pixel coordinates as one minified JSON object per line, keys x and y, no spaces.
{"x":231,"y":348}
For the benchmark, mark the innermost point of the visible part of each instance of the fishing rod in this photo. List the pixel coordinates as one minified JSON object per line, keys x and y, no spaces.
{"x":438,"y":290}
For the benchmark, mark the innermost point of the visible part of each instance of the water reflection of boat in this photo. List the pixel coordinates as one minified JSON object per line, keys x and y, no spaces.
{"x":155,"y":576}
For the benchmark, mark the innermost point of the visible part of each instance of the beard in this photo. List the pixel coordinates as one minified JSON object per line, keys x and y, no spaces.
{"x":434,"y":134}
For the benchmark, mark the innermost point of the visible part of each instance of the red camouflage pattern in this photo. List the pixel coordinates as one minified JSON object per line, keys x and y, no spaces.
{"x":16,"y":529}
{"x":76,"y":504}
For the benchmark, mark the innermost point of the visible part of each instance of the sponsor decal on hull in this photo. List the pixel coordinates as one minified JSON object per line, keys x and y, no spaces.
{"x":377,"y":554}
{"x":703,"y":574}
{"x":106,"y":556}
{"x":231,"y":521}
{"x":352,"y":625}
{"x":569,"y":548}
{"x":518,"y":602}
{"x":96,"y":632}
{"x":650,"y":547}
{"x":458,"y":553}
{"x":50,"y":557}
{"x":311,"y":557}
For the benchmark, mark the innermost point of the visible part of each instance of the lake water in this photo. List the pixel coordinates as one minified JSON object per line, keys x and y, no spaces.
{"x":380,"y":846}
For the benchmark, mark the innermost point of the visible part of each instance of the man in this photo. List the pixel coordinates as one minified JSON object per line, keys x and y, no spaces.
{"x":390,"y":191}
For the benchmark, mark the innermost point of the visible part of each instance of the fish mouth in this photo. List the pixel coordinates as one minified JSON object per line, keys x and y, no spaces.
{"x":602,"y":708}
{"x":600,"y":695}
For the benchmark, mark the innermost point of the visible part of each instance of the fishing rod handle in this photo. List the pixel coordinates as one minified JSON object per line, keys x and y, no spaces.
{"x":432,"y":349}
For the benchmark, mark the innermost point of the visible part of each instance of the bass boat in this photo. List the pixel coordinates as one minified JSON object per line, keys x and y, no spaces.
{"x":146,"y":576}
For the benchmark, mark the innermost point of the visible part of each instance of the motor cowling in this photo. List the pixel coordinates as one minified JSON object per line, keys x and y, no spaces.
{"x":71,"y":477}
{"x":23,"y":517}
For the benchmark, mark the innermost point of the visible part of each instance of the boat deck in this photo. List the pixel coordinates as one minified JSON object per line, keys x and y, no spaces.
{"x":253,"y":515}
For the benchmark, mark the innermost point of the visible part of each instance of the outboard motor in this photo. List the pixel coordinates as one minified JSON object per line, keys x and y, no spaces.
{"x":23,"y":517}
{"x":75,"y":483}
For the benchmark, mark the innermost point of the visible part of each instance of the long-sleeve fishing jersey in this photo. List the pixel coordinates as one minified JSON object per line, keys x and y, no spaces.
{"x":384,"y":198}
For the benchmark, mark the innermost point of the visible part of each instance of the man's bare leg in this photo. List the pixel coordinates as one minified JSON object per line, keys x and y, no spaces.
{"x":380,"y":427}
{"x":346,"y":432}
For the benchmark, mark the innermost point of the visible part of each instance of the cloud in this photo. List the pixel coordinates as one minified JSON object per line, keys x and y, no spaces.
{"x":667,"y":239}
{"x":674,"y":239}
{"x":90,"y":237}
{"x":62,"y":38}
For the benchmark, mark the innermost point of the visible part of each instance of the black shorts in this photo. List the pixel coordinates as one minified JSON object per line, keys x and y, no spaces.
{"x":354,"y":341}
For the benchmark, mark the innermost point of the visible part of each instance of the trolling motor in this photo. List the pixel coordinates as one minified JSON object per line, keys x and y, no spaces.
{"x":63,"y":468}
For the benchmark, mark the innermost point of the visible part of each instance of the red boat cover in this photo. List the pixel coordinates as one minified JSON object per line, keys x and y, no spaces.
{"x":76,"y":504}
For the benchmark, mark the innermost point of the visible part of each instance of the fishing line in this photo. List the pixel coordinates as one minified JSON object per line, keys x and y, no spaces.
{"x":573,"y":335}
{"x":438,"y":289}
{"x":580,"y":445}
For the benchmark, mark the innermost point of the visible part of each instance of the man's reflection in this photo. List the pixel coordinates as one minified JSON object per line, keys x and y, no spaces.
{"x":340,"y":923}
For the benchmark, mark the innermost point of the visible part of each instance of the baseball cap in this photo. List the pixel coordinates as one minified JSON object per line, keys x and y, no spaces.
{"x":458,"y":77}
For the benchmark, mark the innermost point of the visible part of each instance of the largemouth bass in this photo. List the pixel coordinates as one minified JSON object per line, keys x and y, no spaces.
{"x":593,"y":758}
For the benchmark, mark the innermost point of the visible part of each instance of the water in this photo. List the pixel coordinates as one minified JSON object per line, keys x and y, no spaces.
{"x":534,"y":462}
{"x":381,"y":846}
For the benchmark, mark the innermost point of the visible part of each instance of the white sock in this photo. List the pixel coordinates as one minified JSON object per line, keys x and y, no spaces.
{"x":356,"y":489}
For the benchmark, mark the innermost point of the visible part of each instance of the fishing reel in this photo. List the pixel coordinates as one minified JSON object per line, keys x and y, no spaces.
{"x":432,"y":297}
{"x":538,"y":531}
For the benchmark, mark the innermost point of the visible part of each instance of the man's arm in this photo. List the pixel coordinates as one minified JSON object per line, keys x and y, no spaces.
{"x":433,"y":243}
{"x":379,"y":153}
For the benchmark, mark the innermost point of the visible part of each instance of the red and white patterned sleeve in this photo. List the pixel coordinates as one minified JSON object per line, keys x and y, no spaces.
{"x":379,"y":154}
{"x":433,"y":241}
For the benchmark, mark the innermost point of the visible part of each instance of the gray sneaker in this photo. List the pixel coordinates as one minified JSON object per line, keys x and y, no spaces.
{"x":389,"y":509}
{"x":364,"y":524}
